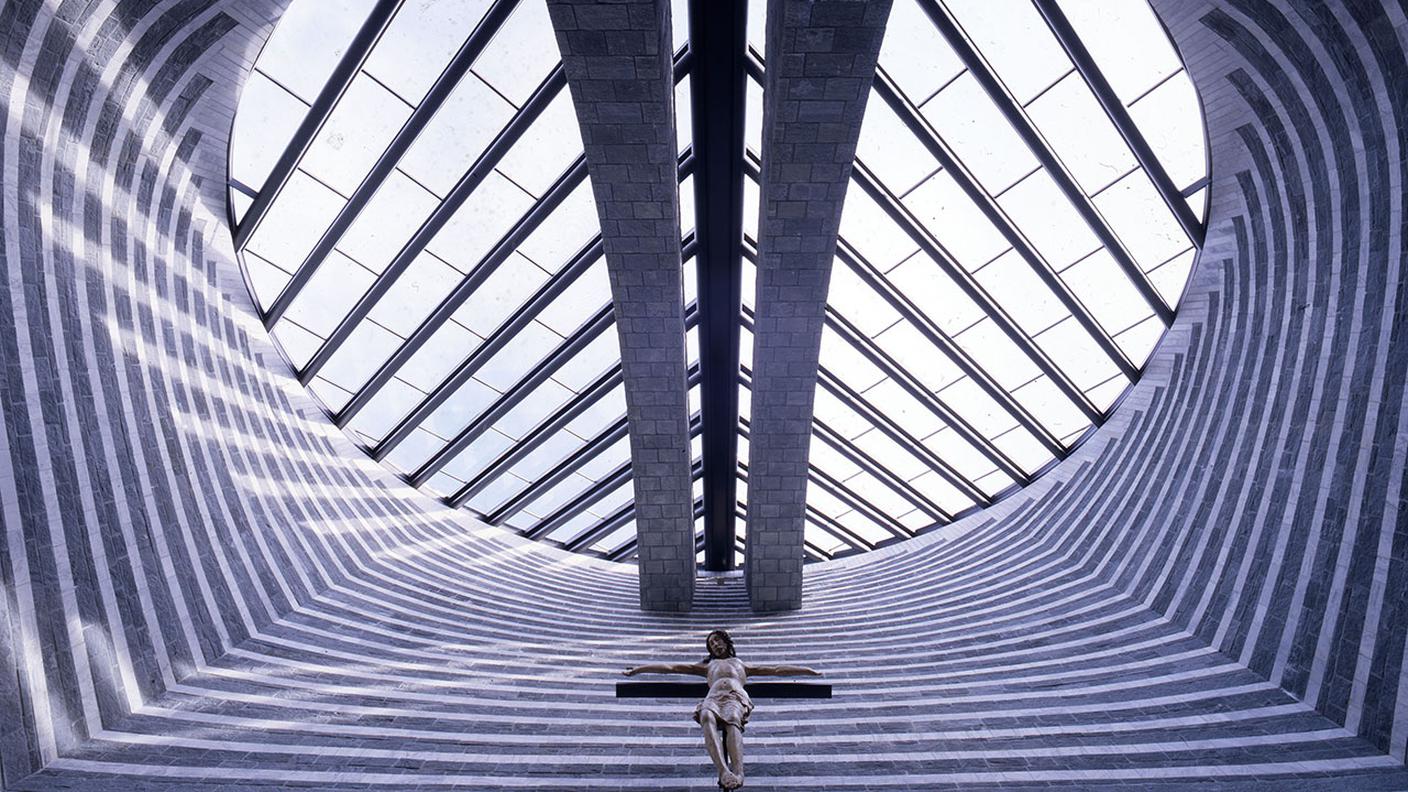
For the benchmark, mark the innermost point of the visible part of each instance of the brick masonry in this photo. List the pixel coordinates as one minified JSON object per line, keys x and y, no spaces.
{"x":821,"y":59}
{"x":1207,"y":595}
{"x":618,"y":60}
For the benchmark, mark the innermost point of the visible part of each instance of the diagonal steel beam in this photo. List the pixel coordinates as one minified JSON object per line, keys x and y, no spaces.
{"x":1075,"y":48}
{"x":603,"y":527}
{"x":919,"y":126}
{"x":847,"y":449}
{"x":718,"y":89}
{"x":1023,"y":126}
{"x":444,"y":85}
{"x":337,"y":84}
{"x":468,"y":183}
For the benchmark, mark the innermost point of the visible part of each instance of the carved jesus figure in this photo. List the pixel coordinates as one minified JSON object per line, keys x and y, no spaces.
{"x":724,"y":711}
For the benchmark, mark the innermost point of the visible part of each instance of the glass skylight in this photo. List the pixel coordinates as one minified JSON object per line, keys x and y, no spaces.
{"x":429,"y":258}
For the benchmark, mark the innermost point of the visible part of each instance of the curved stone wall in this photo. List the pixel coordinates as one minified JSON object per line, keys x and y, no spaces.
{"x":205,"y":586}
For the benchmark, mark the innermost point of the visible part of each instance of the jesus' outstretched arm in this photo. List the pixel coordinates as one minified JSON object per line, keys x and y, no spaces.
{"x":780,"y":670}
{"x":698,"y":669}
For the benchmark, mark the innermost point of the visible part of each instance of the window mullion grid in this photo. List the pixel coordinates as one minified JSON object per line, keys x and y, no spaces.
{"x":468,"y":183}
{"x":943,"y":21}
{"x":358,"y":50}
{"x":935,"y":404}
{"x":870,"y":465}
{"x":1080,"y":56}
{"x":444,"y":85}
{"x":936,"y":252}
{"x":925,"y":133}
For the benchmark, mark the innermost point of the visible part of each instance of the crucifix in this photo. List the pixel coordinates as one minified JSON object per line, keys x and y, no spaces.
{"x":727,"y":698}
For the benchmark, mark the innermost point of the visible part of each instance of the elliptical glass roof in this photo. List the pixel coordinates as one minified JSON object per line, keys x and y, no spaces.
{"x":416,"y":225}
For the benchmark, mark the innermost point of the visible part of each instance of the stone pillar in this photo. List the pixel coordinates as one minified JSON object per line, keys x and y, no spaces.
{"x":821,"y":58}
{"x":617,"y":56}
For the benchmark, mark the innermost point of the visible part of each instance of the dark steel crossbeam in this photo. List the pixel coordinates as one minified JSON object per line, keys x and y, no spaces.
{"x":590,"y":330}
{"x":337,"y":84}
{"x":881,"y":421}
{"x":919,"y":126}
{"x":468,"y":183}
{"x":1075,"y":48}
{"x":905,"y":219}
{"x":718,"y":41}
{"x":559,"y":472}
{"x":911,"y":385}
{"x":1023,"y":126}
{"x":530,"y":442}
{"x":444,"y":85}
{"x":931,"y":332}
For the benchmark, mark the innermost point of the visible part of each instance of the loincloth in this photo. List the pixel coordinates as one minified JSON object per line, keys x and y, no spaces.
{"x":729,"y":705}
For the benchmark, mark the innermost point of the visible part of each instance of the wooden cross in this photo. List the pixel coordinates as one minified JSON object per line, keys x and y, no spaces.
{"x":698,"y":690}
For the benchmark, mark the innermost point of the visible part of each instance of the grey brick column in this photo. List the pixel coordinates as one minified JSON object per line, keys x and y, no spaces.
{"x":617,"y":56}
{"x":821,"y":60}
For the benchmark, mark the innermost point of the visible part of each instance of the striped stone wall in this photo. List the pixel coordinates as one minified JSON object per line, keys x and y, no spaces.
{"x":206,"y":587}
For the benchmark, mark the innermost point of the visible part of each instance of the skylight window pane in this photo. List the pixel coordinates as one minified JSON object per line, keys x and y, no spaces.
{"x":309,"y":41}
{"x":1171,"y":121}
{"x":934,"y":293}
{"x":520,"y":354}
{"x":463,"y":406}
{"x":853,"y":299}
{"x":980,"y":410}
{"x":1072,"y":349}
{"x":446,"y":348}
{"x":607,"y":462}
{"x":547,"y":148}
{"x":600,"y":415}
{"x":493,"y":494}
{"x":297,"y":343}
{"x":946,"y":211}
{"x":969,"y":122}
{"x":1126,"y":41}
{"x":415,"y":294}
{"x":753,"y":116}
{"x":1022,"y":447}
{"x":477,"y":455}
{"x":836,"y":415}
{"x":690,"y":272}
{"x":914,"y":54}
{"x":994,"y":483}
{"x":1015,"y":42}
{"x":864,"y":527}
{"x":593,"y":361}
{"x":331,"y":396}
{"x":843,"y":361}
{"x":997,"y":354}
{"x":1051,"y":408}
{"x":366,"y":348}
{"x":751,"y":197}
{"x":358,"y":131}
{"x":903,"y":410}
{"x":687,"y":214}
{"x":457,"y":135}
{"x":942,"y":493}
{"x":294,"y":223}
{"x":757,"y":25}
{"x":569,"y":228}
{"x":827,"y":459}
{"x":1198,"y":202}
{"x":500,"y":295}
{"x":1106,"y":292}
{"x":419,"y":43}
{"x":546,"y":456}
{"x":386,"y":409}
{"x":1142,"y":221}
{"x":1081,"y":134}
{"x":888,"y":148}
{"x":587,"y":295}
{"x":921,"y":359}
{"x":480,"y":222}
{"x":745,"y":348}
{"x":612,"y":501}
{"x":414,"y":451}
{"x":532,"y":408}
{"x":684,"y":116}
{"x":330,"y":294}
{"x":523,"y":53}
{"x":267,"y":118}
{"x":1011,"y":281}
{"x":897,"y":459}
{"x":265,"y":279}
{"x":1139,"y":340}
{"x":1171,"y":278}
{"x":872,"y":233}
{"x":968,"y":461}
{"x":1049,"y":221}
{"x":387,"y":222}
{"x":560,"y":494}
